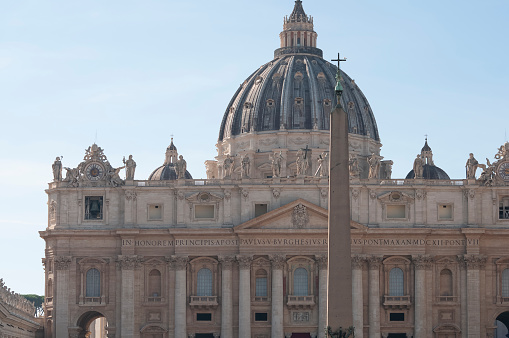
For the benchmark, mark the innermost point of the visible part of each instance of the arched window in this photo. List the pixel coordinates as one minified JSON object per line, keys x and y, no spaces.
{"x":505,"y":283}
{"x":204,"y":285}
{"x":396,"y":285}
{"x":445,"y":282}
{"x":261,"y":283}
{"x":93,"y":283}
{"x":300,"y":282}
{"x":154,"y":283}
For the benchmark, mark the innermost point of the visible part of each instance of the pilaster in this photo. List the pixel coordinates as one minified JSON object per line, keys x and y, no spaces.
{"x":227,"y":299}
{"x":421,"y":263}
{"x":278,"y":263}
{"x":357,"y":296}
{"x":61,"y":310}
{"x":244,"y":295}
{"x":179,"y":263}
{"x":374,"y":295}
{"x":322,"y":262}
{"x":128,"y":264}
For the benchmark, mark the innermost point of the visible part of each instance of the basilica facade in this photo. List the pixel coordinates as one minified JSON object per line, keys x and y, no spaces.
{"x":243,"y":253}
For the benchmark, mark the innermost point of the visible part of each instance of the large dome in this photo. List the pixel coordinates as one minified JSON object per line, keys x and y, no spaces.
{"x":295,"y":92}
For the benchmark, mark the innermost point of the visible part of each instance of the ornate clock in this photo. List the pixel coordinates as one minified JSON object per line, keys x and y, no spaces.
{"x":503,"y":171}
{"x":94,"y":171}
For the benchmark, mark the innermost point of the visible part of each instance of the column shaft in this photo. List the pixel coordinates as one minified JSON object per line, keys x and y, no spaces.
{"x":473,"y":308}
{"x":226,"y":301}
{"x":322,"y":295}
{"x":244,"y":298}
{"x":127,"y":306}
{"x":62,"y":298}
{"x":277,"y":297}
{"x":420,"y":303}
{"x":357,"y":298}
{"x":180,"y":264}
{"x":374,"y":297}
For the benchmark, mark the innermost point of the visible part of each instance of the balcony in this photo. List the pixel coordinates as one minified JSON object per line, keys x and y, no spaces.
{"x":447,"y":299}
{"x":155,"y":299}
{"x":397,"y":302}
{"x":203,"y":301}
{"x":259,"y":299}
{"x":300,"y":302}
{"x":92,"y":300}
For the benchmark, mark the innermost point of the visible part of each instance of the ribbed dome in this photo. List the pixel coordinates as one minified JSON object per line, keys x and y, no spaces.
{"x":430,"y":172}
{"x":166,"y":172}
{"x":295,"y":91}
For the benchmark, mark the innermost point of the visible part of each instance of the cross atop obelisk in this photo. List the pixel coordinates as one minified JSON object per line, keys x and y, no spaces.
{"x":339,"y":283}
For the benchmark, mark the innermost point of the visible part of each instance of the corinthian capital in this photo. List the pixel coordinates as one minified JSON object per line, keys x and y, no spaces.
{"x":226,"y":261}
{"x":128,"y":262}
{"x":62,"y":262}
{"x":475,"y":261}
{"x":322,"y":261}
{"x":278,"y":261}
{"x":179,"y":262}
{"x":374,"y":262}
{"x":244,"y":261}
{"x":358,"y":261}
{"x":422,"y":262}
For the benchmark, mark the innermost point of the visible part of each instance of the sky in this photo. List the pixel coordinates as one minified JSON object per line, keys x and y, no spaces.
{"x":129,"y":74}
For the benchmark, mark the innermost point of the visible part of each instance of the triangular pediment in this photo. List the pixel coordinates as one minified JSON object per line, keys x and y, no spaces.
{"x":297,"y":215}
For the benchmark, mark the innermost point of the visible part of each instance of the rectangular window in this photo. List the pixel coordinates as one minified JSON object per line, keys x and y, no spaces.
{"x":155,"y":212}
{"x":204,"y":211}
{"x":396,"y":211}
{"x":261,"y":287}
{"x":260,"y":209}
{"x":503,"y":210}
{"x":298,"y":41}
{"x":444,"y":212}
{"x":261,"y":316}
{"x":397,"y":317}
{"x":94,"y":207}
{"x":203,"y":317}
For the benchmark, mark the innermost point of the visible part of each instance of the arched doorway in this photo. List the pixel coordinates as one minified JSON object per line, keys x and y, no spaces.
{"x":92,"y":324}
{"x":502,"y":323}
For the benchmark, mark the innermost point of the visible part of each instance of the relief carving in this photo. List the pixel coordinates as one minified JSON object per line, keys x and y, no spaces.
{"x":244,"y":261}
{"x":300,"y":217}
{"x":278,"y":261}
{"x":422,"y":262}
{"x":130,"y":195}
{"x":129,"y":262}
{"x":62,"y":262}
{"x":226,"y":261}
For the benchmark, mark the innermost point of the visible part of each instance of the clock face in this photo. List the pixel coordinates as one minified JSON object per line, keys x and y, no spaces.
{"x":503,"y":171}
{"x":94,"y":171}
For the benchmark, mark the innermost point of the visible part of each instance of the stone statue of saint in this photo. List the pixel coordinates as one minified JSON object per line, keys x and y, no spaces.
{"x":57,"y":170}
{"x":302,"y":163}
{"x":72,"y":175}
{"x":374,"y":166}
{"x":418,"y":167}
{"x":113,"y":176}
{"x":181,"y":167}
{"x":277,"y":160}
{"x":471,"y":167}
{"x":323,"y":165}
{"x":228,"y":166}
{"x":353,"y":165}
{"x":245,"y":166}
{"x":130,"y":167}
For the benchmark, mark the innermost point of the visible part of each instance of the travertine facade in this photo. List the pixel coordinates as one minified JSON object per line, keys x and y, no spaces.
{"x":243,"y":253}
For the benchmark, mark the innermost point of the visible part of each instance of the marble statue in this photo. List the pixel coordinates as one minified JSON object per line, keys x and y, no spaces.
{"x":418,"y":167}
{"x":245,"y":166}
{"x":130,"y":167}
{"x":374,"y":166}
{"x":181,"y":167}
{"x":471,"y":167}
{"x":57,"y":170}
{"x":113,"y":176}
{"x":228,"y":166}
{"x":277,"y":161}
{"x":72,"y":176}
{"x":353,"y":166}
{"x":323,"y":165}
{"x":302,"y":163}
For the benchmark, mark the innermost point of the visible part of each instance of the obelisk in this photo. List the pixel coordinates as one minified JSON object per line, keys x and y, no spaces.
{"x":339,"y":272}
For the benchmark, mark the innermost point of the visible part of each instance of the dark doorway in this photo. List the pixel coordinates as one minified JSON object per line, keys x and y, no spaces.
{"x":301,"y":335}
{"x":204,"y":335}
{"x":85,"y":320}
{"x":504,"y":319}
{"x":396,"y":335}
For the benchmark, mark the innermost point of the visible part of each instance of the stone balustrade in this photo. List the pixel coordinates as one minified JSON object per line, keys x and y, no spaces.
{"x":15,"y":302}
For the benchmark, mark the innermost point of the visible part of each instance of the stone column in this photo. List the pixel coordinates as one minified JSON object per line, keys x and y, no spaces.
{"x":61,"y":301}
{"x":226,"y":297}
{"x":474,"y":264}
{"x":244,"y":295}
{"x":357,"y":297}
{"x":463,"y":294}
{"x":278,"y":263}
{"x":374,"y":296}
{"x":420,"y":264}
{"x":127,"y":265}
{"x":322,"y":293}
{"x":180,"y":264}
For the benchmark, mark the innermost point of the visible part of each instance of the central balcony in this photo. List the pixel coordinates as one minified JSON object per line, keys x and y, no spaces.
{"x":203,"y":301}
{"x":300,"y":302}
{"x":397,"y":302}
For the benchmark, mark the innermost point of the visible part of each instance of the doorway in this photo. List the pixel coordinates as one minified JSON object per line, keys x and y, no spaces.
{"x":204,"y":335}
{"x":397,"y":335}
{"x":301,"y":335}
{"x":92,"y":321}
{"x":502,"y":325}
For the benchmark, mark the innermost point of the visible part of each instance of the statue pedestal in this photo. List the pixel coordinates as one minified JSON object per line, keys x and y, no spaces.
{"x":471,"y":181}
{"x":276,"y":180}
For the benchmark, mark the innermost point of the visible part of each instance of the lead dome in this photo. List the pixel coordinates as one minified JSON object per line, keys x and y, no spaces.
{"x":285,"y":105}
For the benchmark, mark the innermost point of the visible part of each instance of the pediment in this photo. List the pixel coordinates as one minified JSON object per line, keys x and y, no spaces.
{"x":297,"y":215}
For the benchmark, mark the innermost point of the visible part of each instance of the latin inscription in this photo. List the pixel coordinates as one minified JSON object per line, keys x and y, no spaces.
{"x":387,"y":242}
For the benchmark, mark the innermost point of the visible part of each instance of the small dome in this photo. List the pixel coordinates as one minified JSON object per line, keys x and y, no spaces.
{"x":166,"y":173}
{"x":430,"y":172}
{"x":171,"y":146}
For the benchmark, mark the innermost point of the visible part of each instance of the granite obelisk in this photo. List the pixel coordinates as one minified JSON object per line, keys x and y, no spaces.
{"x":339,"y":283}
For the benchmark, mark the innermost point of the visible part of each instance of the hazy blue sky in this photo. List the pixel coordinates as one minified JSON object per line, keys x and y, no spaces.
{"x":135,"y":72}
